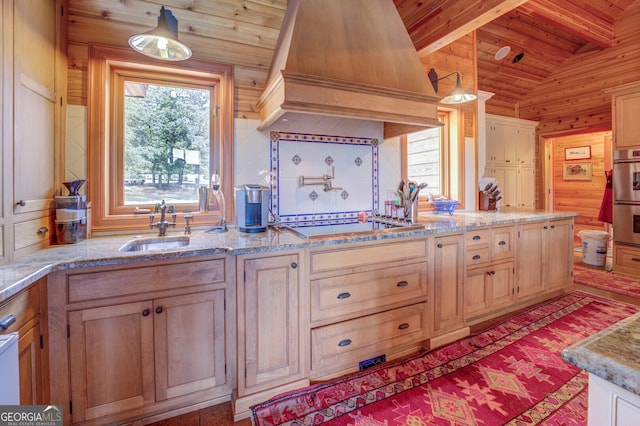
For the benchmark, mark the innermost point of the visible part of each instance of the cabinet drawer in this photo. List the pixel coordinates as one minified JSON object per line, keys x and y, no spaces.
{"x":477,"y":257}
{"x":97,"y":285}
{"x":30,"y":232}
{"x":502,"y":243}
{"x":25,"y":307}
{"x":357,"y":294}
{"x":343,"y":345}
{"x":477,"y":237}
{"x":627,"y":259}
{"x":368,"y":255}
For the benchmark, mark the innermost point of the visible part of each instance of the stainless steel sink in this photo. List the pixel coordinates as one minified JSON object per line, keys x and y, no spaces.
{"x":155,"y":244}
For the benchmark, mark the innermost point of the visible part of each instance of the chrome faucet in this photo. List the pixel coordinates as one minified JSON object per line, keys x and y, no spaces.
{"x":163,"y":224}
{"x":324,"y":180}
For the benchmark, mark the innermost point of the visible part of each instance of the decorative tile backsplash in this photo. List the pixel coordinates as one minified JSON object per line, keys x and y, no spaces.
{"x":302,"y":190}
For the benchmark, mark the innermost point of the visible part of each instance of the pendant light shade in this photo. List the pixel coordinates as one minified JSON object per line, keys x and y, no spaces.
{"x":458,"y":95}
{"x":161,"y":42}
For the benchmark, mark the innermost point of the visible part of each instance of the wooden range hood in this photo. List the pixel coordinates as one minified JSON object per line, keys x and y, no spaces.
{"x":349,"y":58}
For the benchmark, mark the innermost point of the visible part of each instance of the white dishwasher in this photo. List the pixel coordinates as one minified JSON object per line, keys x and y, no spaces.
{"x":10,"y":389}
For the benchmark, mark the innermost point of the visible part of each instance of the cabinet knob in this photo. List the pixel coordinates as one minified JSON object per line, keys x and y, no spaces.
{"x":159,"y":310}
{"x":145,"y":313}
{"x":6,"y":322}
{"x":345,"y":342}
{"x":439,"y":245}
{"x":476,"y":257}
{"x":402,"y":284}
{"x":545,"y":227}
{"x":21,"y":203}
{"x":294,"y":265}
{"x":42,"y":230}
{"x":552,"y":226}
{"x":344,"y":295}
{"x":501,"y":243}
{"x":403,"y":326}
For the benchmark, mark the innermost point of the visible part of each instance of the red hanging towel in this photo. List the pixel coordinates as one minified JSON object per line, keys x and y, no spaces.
{"x":606,"y":208}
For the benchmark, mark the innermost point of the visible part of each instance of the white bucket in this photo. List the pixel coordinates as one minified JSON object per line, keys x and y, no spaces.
{"x":594,"y":247}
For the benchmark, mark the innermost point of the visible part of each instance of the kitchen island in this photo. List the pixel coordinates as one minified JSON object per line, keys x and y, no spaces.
{"x":248,"y":316}
{"x":612,"y":359}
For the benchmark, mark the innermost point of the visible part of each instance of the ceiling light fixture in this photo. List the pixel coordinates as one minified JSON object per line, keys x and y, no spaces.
{"x":502,"y":53}
{"x":458,"y":95}
{"x":161,"y":42}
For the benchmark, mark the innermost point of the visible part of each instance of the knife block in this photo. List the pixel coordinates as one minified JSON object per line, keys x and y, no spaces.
{"x":486,"y":202}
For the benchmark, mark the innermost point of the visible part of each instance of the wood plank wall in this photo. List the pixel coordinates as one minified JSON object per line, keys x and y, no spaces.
{"x":583,"y":196}
{"x":226,"y":33}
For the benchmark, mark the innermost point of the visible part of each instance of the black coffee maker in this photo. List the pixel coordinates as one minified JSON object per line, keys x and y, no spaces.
{"x":252,"y":207}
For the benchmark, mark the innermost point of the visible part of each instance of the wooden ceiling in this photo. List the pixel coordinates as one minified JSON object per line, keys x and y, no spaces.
{"x":546,"y":32}
{"x":244,"y":32}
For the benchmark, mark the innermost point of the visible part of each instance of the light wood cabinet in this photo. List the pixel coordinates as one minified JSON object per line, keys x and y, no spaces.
{"x":510,"y":153}
{"x":626,"y":110}
{"x":32,"y":112}
{"x":272,"y":326}
{"x":367,"y":300}
{"x":142,"y":340}
{"x":544,"y":257}
{"x":448,"y":266}
{"x":489,"y":280}
{"x":25,"y":308}
{"x":626,"y":260}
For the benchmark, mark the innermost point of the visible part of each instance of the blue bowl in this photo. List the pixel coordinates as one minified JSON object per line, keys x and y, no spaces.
{"x":445,"y":206}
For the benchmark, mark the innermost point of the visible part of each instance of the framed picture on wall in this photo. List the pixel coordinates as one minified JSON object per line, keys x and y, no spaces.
{"x":577,"y":153}
{"x":576,"y":171}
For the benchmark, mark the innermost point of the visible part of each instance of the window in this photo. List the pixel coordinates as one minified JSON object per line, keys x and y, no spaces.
{"x":432,"y":156}
{"x":157,"y":131}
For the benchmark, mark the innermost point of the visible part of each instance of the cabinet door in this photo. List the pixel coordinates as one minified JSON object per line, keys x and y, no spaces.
{"x":189,"y":336}
{"x":529,"y":263}
{"x":111,"y":359}
{"x":627,"y":111}
{"x":269,"y":322}
{"x":559,"y":253}
{"x":510,"y":139}
{"x":476,"y":292}
{"x":448,"y":283}
{"x":30,"y":367}
{"x":34,"y":103}
{"x":526,"y":146}
{"x":501,"y":286}
{"x":526,"y":188}
{"x":506,"y":178}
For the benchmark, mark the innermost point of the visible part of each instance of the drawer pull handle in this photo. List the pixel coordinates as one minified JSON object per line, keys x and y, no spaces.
{"x":553,"y":227}
{"x":403,"y":326}
{"x":21,"y":203}
{"x":42,"y":230}
{"x":501,"y":243}
{"x":476,"y":257}
{"x":6,"y":322}
{"x":159,"y":310}
{"x":476,"y":237}
{"x":402,"y":284}
{"x":344,"y":295}
{"x":439,"y":245}
{"x":145,"y":313}
{"x":636,"y":259}
{"x":345,"y":342}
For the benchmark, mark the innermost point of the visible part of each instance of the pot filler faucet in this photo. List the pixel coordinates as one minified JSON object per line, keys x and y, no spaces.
{"x":163,"y":224}
{"x":324,"y":180}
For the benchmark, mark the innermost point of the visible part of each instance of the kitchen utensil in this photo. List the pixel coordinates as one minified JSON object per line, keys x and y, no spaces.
{"x":488,"y":187}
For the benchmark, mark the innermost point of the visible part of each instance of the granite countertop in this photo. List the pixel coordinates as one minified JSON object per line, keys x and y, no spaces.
{"x":612,"y":354}
{"x":101,"y":251}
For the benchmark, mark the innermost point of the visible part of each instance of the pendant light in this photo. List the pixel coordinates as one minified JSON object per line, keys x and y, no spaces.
{"x":161,"y":42}
{"x":458,"y":95}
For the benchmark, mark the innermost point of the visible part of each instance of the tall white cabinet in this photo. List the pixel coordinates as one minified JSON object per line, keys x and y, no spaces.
{"x":510,"y":158}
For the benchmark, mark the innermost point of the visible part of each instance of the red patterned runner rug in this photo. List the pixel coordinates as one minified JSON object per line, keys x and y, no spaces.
{"x":511,"y":373}
{"x":605,"y":280}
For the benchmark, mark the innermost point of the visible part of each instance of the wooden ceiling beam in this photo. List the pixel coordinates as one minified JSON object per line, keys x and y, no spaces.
{"x":431,"y":29}
{"x":573,"y":19}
